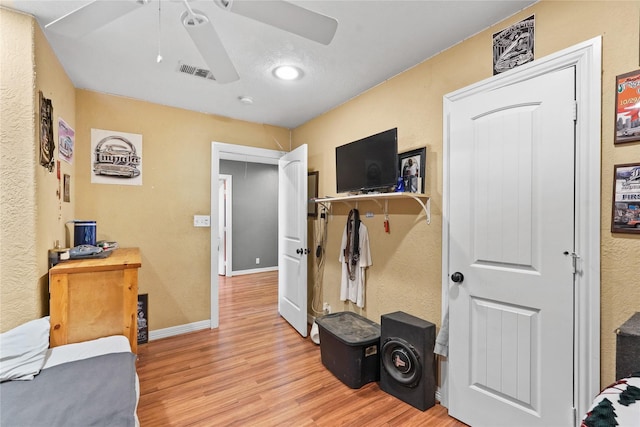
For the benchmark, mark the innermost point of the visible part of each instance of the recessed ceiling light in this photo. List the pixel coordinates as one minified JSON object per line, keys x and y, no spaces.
{"x":287,"y":72}
{"x":247,"y":100}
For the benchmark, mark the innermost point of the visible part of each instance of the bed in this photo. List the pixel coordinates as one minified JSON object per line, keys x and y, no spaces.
{"x":616,"y":405}
{"x":92,"y":383}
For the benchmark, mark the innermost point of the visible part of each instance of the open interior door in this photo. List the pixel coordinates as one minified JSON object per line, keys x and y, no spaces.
{"x":292,"y":238}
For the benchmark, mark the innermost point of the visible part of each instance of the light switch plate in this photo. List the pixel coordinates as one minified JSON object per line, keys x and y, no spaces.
{"x":201,"y":221}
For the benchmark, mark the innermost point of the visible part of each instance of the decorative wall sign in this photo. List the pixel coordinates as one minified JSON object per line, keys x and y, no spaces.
{"x":625,"y":217}
{"x":412,"y":169}
{"x":143,"y":316}
{"x":47,"y":145}
{"x":514,"y":46}
{"x":116,"y":157}
{"x":66,"y":137}
{"x":627,"y":107}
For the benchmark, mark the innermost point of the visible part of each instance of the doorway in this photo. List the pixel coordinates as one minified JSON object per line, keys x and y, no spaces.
{"x":581,"y":64}
{"x":292,"y":216}
{"x":241,"y":153}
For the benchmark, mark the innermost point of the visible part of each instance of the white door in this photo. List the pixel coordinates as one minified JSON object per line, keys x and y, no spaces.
{"x":511,"y":235}
{"x":224,"y":225}
{"x":292,"y":238}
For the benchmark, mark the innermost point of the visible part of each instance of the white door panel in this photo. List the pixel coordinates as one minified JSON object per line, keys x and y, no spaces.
{"x":292,"y":239}
{"x":511,"y":222}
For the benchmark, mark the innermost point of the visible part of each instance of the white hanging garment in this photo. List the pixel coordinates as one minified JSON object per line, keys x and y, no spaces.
{"x":354,"y":263}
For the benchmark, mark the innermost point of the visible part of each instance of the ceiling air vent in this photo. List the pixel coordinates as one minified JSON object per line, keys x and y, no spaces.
{"x":195,"y":71}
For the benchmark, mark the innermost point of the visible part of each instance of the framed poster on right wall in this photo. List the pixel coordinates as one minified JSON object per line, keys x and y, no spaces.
{"x":625,"y":216}
{"x":627,"y":108}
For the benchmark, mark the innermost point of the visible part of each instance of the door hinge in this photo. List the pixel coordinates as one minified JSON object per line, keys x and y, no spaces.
{"x":574,"y":108}
{"x":575,"y":415}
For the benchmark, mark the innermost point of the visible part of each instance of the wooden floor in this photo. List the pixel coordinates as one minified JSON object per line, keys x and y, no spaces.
{"x":256,"y":370}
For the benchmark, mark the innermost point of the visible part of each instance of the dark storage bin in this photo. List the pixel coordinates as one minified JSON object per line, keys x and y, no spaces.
{"x":628,"y":347}
{"x":350,"y":347}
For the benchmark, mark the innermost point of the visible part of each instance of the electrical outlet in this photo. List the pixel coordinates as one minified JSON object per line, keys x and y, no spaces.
{"x":257,"y":260}
{"x":201,"y":221}
{"x":326,"y":308}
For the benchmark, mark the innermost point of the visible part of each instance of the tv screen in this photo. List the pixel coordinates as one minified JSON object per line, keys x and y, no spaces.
{"x":368,"y":164}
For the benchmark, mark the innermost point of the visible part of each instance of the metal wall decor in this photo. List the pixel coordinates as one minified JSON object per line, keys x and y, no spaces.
{"x":514,"y":46}
{"x":47,"y":145}
{"x":116,"y":157}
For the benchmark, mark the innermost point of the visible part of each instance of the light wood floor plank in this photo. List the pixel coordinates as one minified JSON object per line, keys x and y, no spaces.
{"x":256,"y":370}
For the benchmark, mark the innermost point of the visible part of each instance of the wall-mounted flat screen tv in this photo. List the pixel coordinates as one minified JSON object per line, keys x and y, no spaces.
{"x":368,"y":164}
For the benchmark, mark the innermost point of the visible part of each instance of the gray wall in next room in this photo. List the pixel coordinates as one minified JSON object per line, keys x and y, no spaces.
{"x":254,"y":214}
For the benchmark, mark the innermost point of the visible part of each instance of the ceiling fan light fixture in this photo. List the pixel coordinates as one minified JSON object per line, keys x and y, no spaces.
{"x":246,"y":100}
{"x":287,"y":72}
{"x":194,"y":18}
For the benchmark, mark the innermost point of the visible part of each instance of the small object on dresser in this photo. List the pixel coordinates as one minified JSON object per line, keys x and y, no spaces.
{"x":106,"y":245}
{"x":86,"y":251}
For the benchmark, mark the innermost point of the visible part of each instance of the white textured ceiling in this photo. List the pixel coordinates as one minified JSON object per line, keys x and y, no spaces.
{"x":375,"y":41}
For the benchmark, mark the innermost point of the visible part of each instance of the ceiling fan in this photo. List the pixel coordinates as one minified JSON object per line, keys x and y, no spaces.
{"x":277,"y":13}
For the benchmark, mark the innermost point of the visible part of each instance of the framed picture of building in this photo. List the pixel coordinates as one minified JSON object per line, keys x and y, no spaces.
{"x":625,"y":217}
{"x":627,"y":108}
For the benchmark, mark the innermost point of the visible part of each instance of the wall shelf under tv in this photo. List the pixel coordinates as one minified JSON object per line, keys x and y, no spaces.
{"x":422,"y":199}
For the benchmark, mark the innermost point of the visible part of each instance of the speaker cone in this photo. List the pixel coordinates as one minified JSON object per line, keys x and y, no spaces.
{"x":401,"y":361}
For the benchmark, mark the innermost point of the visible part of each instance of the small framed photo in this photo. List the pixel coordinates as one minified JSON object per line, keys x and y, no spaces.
{"x":627,"y":108}
{"x":67,"y":188}
{"x":412,"y":169}
{"x":625,"y":217}
{"x":312,"y":193}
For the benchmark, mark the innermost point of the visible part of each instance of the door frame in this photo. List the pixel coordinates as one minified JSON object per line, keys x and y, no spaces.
{"x":241,"y":153}
{"x":586,"y":57}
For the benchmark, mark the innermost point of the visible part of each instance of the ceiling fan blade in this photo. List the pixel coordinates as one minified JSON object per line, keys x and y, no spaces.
{"x":288,"y":17}
{"x":92,"y":16}
{"x":206,"y":39}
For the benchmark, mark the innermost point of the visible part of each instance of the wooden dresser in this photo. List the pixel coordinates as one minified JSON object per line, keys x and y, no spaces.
{"x":93,"y":298}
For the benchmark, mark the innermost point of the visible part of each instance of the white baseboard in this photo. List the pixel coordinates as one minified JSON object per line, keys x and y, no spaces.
{"x":254,"y":270}
{"x":438,"y":395}
{"x":178,"y":330}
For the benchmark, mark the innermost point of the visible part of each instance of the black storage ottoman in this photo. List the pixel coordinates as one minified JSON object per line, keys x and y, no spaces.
{"x":628,"y":347}
{"x":350,"y":347}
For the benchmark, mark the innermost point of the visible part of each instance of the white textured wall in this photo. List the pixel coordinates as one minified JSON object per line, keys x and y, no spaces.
{"x":19,"y":294}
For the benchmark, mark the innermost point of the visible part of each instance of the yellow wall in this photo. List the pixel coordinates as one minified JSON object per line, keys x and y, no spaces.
{"x":53,"y":212}
{"x":31,"y":213}
{"x":157,"y":217}
{"x":406,"y":271}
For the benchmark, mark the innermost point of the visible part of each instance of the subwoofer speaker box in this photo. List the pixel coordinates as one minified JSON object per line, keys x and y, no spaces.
{"x":406,"y":357}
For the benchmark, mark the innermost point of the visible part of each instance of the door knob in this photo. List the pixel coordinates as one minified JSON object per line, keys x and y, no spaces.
{"x":457,"y":277}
